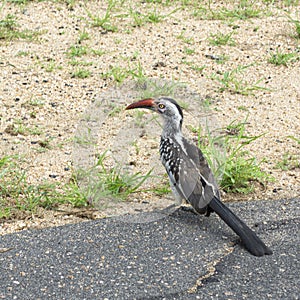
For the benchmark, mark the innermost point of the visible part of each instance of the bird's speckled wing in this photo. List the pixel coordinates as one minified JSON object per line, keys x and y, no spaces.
{"x":188,"y":173}
{"x":205,"y":181}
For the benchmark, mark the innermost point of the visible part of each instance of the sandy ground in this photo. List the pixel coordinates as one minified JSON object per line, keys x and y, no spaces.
{"x":38,"y":89}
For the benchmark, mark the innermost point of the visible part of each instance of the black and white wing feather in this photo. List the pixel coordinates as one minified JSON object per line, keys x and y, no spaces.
{"x":182,"y":160}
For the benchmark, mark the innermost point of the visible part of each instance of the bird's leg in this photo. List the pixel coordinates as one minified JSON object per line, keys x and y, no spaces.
{"x":169,"y":209}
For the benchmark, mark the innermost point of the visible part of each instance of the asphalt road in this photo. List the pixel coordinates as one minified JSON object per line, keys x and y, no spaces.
{"x":180,"y":256}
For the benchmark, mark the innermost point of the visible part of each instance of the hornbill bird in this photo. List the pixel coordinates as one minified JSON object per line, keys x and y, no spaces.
{"x":190,"y":177}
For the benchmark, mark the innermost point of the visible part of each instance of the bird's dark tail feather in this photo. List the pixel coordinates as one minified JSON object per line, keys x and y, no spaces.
{"x":249,"y":238}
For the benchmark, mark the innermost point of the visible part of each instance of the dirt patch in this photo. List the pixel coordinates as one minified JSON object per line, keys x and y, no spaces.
{"x":44,"y":93}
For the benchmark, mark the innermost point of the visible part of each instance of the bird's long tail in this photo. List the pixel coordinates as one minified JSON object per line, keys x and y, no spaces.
{"x":249,"y":238}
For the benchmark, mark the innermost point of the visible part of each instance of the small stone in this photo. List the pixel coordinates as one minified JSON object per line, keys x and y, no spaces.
{"x":53,"y":175}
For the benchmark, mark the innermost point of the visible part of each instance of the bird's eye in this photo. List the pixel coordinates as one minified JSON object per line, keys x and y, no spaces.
{"x":161,"y":106}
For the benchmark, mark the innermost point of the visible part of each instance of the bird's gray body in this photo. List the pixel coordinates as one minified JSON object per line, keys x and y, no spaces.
{"x":190,"y":176}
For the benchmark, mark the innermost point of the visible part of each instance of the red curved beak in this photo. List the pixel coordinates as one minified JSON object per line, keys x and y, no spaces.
{"x":145,"y":103}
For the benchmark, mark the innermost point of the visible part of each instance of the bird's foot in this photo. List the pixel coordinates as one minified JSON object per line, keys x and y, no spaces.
{"x":189,"y":209}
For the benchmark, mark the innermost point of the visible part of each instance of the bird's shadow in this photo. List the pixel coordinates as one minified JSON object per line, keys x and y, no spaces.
{"x":211,"y":225}
{"x":187,"y":217}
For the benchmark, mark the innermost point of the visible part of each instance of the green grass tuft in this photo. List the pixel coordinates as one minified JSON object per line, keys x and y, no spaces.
{"x":236,"y":169}
{"x":231,"y":81}
{"x":105,"y":21}
{"x":103,"y":181}
{"x":77,"y":51}
{"x":81,"y":73}
{"x":288,"y":162}
{"x":221,"y":39}
{"x":9,"y":30}
{"x":279,"y":58}
{"x":19,"y":198}
{"x":119,"y":74}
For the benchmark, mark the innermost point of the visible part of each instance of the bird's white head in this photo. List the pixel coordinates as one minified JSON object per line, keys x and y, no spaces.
{"x":168,"y":108}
